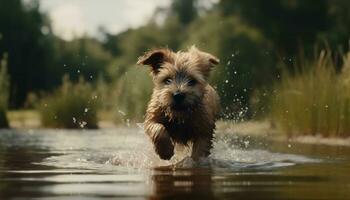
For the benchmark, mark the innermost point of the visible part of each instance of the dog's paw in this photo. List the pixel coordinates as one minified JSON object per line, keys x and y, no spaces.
{"x":164,"y":146}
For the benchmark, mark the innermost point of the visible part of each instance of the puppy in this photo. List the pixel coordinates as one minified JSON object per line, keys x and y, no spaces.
{"x":183,"y":107}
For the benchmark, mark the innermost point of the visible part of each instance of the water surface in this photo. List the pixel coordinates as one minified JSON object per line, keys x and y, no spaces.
{"x":120,"y":163}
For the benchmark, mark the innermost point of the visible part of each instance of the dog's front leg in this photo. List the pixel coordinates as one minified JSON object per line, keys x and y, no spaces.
{"x":201,"y":147}
{"x":163,"y":145}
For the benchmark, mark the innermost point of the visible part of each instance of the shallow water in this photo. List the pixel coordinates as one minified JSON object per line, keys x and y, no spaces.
{"x":120,"y":163}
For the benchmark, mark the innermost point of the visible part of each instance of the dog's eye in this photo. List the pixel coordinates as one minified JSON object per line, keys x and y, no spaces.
{"x":167,"y":81}
{"x":191,"y":82}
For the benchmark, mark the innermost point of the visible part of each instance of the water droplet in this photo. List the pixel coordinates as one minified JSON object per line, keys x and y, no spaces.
{"x":226,"y":81}
{"x":246,"y":143}
{"x":74,"y":120}
{"x":86,"y":110}
{"x":121,"y":112}
{"x":83,"y":124}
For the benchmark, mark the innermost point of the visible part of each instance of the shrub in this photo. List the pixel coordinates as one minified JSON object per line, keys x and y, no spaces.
{"x":133,"y":90}
{"x":4,"y":92}
{"x":315,"y":100}
{"x":71,"y":106}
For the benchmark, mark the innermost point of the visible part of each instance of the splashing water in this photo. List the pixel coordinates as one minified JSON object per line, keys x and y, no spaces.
{"x":223,"y":155}
{"x":131,"y":149}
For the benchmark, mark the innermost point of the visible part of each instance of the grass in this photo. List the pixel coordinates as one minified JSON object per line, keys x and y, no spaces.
{"x":23,"y":118}
{"x":71,"y":106}
{"x":132,"y":92}
{"x":315,"y":100}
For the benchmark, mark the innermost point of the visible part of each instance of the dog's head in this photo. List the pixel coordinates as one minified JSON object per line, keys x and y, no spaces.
{"x":180,"y":78}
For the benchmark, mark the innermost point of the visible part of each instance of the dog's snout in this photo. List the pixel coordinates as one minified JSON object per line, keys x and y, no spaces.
{"x":179,"y":97}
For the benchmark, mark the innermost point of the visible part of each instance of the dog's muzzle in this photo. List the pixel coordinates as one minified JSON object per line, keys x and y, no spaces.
{"x":178,"y":100}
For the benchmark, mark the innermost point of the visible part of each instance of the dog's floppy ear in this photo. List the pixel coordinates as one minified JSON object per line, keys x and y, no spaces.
{"x":212,"y":59}
{"x":207,"y":60}
{"x":155,"y":58}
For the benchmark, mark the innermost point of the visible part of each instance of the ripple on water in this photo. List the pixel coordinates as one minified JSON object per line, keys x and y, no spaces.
{"x":124,"y":156}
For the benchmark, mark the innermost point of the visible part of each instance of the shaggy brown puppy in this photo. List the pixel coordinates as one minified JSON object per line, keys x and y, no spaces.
{"x":183,"y":107}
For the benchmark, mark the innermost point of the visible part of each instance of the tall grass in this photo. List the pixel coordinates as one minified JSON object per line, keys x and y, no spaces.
{"x":132,"y":92}
{"x":315,"y":100}
{"x":70,"y":106}
{"x":4,"y":92}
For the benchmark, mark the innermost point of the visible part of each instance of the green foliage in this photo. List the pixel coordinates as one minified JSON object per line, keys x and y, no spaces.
{"x":184,"y":10}
{"x":71,"y":106}
{"x":235,"y":44}
{"x":4,"y":92}
{"x":133,"y":91}
{"x":286,"y":23}
{"x":316,"y":100}
{"x":83,"y":57}
{"x":25,"y":36}
{"x":249,"y":37}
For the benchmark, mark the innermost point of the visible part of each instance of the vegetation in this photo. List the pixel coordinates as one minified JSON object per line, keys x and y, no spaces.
{"x":315,"y":100}
{"x":71,"y":106}
{"x":133,"y":91}
{"x":251,"y":38}
{"x":4,"y":84}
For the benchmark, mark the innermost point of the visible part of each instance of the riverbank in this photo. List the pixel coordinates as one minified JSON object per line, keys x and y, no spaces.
{"x":30,"y":119}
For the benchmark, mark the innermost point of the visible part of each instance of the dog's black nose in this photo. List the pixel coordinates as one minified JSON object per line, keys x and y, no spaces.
{"x":179,"y":97}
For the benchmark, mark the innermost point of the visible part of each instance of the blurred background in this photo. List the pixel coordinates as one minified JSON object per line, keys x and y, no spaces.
{"x":71,"y":63}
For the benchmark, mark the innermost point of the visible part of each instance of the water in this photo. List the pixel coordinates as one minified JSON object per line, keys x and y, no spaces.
{"x":120,"y":163}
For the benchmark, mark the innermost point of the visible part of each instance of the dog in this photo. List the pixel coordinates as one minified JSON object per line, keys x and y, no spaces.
{"x":183,"y":106}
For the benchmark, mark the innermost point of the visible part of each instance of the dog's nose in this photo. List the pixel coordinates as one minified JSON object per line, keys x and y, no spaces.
{"x":179,"y":97}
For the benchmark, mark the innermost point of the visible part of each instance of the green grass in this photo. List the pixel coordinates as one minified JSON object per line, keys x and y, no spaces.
{"x":315,"y":100}
{"x":131,"y":94}
{"x":71,"y":106}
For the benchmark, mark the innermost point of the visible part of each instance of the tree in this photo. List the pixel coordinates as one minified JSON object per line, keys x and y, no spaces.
{"x":184,"y":10}
{"x":25,"y":37}
{"x":290,"y":25}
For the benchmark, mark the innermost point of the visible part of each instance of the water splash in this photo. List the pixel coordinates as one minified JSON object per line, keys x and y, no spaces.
{"x":223,"y":155}
{"x":130,"y":149}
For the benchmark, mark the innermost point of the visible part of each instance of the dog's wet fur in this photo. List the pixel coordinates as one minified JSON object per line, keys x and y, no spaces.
{"x":183,"y":107}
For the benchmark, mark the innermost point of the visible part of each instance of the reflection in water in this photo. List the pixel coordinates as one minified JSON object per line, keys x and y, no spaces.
{"x":181,"y":184}
{"x":121,"y":164}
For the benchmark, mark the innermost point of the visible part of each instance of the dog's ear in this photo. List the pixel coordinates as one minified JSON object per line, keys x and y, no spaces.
{"x":207,"y":60}
{"x":155,"y":59}
{"x":212,"y":59}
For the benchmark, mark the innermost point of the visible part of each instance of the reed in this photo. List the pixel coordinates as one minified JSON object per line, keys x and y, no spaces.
{"x":131,"y":94}
{"x":70,"y":106}
{"x":314,"y":100}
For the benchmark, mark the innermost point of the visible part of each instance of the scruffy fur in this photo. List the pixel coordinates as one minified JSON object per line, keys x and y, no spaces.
{"x":183,"y":107}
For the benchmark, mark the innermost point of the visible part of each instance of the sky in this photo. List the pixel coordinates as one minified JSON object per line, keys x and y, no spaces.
{"x":74,"y":18}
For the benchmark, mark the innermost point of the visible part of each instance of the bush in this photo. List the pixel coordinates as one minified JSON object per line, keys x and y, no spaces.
{"x":133,"y":91}
{"x":4,"y":93}
{"x":316,"y":100}
{"x":71,"y":106}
